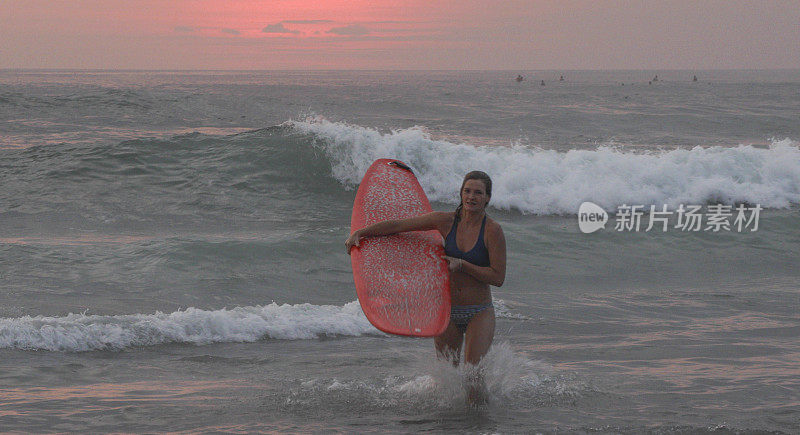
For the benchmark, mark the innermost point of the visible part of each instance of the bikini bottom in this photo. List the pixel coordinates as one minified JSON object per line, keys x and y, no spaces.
{"x":460,"y":315}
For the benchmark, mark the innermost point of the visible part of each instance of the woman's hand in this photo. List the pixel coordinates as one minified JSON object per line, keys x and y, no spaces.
{"x":353,"y":240}
{"x":454,"y":264}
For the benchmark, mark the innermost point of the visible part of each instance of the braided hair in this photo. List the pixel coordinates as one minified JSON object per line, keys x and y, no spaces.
{"x":473,"y":175}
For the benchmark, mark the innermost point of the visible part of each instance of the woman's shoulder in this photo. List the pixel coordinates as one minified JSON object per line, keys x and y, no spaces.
{"x":442,"y":215}
{"x":493,"y":228}
{"x":439,"y":218}
{"x":443,"y":220}
{"x":447,"y":218}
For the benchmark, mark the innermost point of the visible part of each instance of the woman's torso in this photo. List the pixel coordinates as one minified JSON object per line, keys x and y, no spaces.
{"x":464,"y":288}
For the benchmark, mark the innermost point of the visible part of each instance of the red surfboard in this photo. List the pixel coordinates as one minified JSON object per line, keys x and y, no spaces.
{"x":402,"y":282}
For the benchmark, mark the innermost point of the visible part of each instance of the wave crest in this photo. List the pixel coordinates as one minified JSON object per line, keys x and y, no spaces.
{"x":533,"y":180}
{"x":81,"y":332}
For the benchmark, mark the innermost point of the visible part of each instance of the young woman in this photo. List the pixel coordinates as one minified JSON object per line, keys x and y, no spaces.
{"x":475,"y":250}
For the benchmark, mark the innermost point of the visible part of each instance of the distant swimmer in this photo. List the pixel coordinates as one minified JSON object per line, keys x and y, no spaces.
{"x":561,"y":79}
{"x":694,"y":79}
{"x":655,"y":79}
{"x":520,"y":78}
{"x":542,"y":84}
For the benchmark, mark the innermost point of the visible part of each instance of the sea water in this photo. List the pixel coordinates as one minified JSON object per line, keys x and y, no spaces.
{"x":172,"y":257}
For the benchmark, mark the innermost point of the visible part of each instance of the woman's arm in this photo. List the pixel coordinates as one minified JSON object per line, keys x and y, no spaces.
{"x":495,"y":273}
{"x":428,"y":221}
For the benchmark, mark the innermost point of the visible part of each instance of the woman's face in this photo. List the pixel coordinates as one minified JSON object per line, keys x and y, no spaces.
{"x":473,"y":196}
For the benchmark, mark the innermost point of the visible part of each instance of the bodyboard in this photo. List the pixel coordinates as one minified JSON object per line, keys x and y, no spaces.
{"x":402,"y":282}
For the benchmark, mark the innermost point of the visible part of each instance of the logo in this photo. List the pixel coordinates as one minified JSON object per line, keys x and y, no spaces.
{"x":591,"y":217}
{"x":718,"y":217}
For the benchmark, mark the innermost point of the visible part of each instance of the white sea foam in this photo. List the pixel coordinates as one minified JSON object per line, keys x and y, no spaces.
{"x":80,"y":332}
{"x":502,"y":310}
{"x":510,"y":378}
{"x":540,"y":181}
{"x":505,"y":374}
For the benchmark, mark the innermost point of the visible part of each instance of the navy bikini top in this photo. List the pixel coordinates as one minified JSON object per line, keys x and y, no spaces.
{"x":478,"y":255}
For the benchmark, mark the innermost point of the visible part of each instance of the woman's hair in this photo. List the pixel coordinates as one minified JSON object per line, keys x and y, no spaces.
{"x":474,"y":175}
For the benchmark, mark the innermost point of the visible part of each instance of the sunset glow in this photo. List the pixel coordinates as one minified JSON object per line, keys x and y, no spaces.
{"x":399,"y":34}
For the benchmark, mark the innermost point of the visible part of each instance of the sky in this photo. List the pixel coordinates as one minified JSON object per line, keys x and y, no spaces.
{"x":400,"y":34}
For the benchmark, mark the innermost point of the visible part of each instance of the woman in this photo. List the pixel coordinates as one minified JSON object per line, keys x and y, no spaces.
{"x":482,"y":262}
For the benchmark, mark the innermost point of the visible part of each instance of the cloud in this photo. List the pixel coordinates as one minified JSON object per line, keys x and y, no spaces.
{"x":229,"y":31}
{"x":306,"y":21}
{"x":353,"y":29}
{"x":186,"y":29}
{"x":278,"y":28}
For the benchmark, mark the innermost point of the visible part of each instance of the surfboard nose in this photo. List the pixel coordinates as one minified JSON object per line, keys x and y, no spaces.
{"x":401,"y":165}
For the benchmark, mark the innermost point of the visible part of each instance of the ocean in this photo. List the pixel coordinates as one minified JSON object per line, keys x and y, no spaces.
{"x":172,"y":250}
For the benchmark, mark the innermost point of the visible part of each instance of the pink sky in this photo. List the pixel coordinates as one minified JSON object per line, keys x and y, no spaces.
{"x":399,"y":34}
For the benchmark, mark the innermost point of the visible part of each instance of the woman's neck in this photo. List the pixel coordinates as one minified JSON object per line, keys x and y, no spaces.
{"x":472,"y":218}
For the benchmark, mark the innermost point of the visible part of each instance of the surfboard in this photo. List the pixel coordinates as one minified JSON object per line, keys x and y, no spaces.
{"x":401,"y":280}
